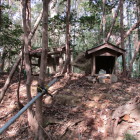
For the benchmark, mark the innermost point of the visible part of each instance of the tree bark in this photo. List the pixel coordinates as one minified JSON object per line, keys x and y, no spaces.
{"x":28,"y":18}
{"x":7,"y":83}
{"x":2,"y":60}
{"x":129,"y":22}
{"x":31,"y":119}
{"x":104,"y":20}
{"x":38,"y":113}
{"x":26,"y":50}
{"x":138,"y":18}
{"x":133,"y":59}
{"x":19,"y":80}
{"x":113,"y":22}
{"x":0,"y":15}
{"x":122,"y":37}
{"x":35,"y":26}
{"x":68,"y":36}
{"x":137,"y":48}
{"x":64,"y":68}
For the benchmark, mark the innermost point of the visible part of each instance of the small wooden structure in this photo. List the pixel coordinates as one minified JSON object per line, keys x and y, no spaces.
{"x":55,"y":57}
{"x":104,"y":57}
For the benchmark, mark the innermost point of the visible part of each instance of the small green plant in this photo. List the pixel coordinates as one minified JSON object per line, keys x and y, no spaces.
{"x":129,"y":137}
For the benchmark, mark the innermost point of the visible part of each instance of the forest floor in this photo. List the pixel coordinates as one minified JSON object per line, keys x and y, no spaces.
{"x":79,"y":110}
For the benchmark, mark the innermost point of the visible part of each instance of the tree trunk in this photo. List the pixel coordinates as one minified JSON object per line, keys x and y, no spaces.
{"x":28,"y":24}
{"x":137,"y":48}
{"x":2,"y":60}
{"x":122,"y":37}
{"x":31,"y":119}
{"x":64,"y":68}
{"x":104,"y":20}
{"x":28,"y":18}
{"x":39,"y":115}
{"x":0,"y":15}
{"x":26,"y":50}
{"x":136,"y":25}
{"x":113,"y":22}
{"x":19,"y":80}
{"x":129,"y":19}
{"x":7,"y":83}
{"x":68,"y":37}
{"x":138,"y":18}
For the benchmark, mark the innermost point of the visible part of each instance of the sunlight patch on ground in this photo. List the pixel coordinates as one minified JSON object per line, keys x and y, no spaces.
{"x":13,"y":131}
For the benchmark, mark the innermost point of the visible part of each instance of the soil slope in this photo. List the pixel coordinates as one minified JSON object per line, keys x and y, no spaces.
{"x":79,"y":110}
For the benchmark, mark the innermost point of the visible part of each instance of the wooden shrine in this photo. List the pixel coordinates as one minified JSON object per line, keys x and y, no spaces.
{"x":103,"y":57}
{"x":55,"y":57}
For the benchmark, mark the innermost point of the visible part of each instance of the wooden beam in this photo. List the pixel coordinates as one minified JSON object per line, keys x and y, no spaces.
{"x":106,"y":54}
{"x":93,"y":65}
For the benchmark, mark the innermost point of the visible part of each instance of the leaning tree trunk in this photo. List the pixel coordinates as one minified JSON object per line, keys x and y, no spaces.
{"x":39,"y":116}
{"x":7,"y":83}
{"x":113,"y":22}
{"x":122,"y":37}
{"x":136,"y":25}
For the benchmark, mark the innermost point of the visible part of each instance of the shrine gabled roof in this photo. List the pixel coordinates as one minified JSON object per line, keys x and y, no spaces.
{"x":105,"y":46}
{"x":37,"y":52}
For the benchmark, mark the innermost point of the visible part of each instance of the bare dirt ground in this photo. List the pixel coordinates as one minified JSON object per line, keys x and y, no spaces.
{"x":79,"y":110}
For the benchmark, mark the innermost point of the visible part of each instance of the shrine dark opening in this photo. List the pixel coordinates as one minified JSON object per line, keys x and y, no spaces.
{"x":103,"y":57}
{"x":104,"y":62}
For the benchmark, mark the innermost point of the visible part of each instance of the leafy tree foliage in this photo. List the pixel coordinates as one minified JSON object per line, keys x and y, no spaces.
{"x":85,"y":25}
{"x":10,"y":36}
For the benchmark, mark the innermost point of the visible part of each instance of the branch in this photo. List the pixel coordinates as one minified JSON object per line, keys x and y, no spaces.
{"x":7,"y":83}
{"x":136,"y":25}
